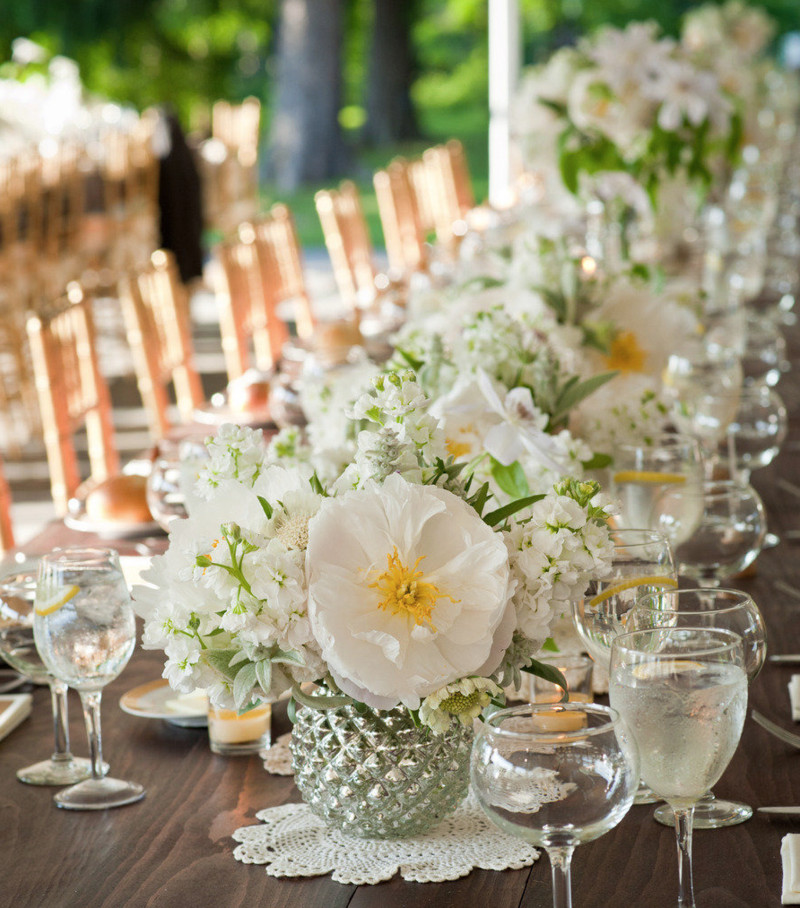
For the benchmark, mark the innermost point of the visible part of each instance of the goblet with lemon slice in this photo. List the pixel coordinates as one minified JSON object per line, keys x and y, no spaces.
{"x":730,"y":610}
{"x":642,"y":563}
{"x":642,"y":472}
{"x":18,"y":649}
{"x":85,"y":632}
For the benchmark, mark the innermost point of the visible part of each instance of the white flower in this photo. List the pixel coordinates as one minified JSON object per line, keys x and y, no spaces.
{"x":521,"y":431}
{"x":463,"y":700}
{"x":408,"y":592}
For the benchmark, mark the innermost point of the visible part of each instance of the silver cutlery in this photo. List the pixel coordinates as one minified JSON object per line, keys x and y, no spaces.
{"x":787,"y":737}
{"x":787,"y":588}
{"x":785,"y":658}
{"x":789,"y":487}
{"x":780,"y":811}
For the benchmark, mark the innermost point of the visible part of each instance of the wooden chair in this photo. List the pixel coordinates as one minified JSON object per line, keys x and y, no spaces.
{"x":400,"y":218}
{"x":6,"y":528}
{"x":72,"y":393}
{"x":282,"y":265}
{"x":347,"y":240}
{"x":247,"y":311}
{"x":450,"y":190}
{"x":155,"y":307}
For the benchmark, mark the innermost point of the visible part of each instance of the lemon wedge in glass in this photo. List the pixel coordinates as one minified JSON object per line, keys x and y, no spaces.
{"x":649,"y":476}
{"x":53,"y":603}
{"x":630,"y":583}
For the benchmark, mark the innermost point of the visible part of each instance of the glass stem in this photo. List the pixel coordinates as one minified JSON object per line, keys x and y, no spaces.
{"x":90,"y":700}
{"x":560,"y":862}
{"x":683,"y":832}
{"x":58,"y":697}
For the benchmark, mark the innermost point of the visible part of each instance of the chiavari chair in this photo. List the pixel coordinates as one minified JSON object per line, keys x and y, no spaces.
{"x":282,"y":265}
{"x":72,"y":394}
{"x":450,"y":190}
{"x":400,"y":217}
{"x":344,"y":227}
{"x":155,"y":308}
{"x":6,"y":527}
{"x":247,"y":311}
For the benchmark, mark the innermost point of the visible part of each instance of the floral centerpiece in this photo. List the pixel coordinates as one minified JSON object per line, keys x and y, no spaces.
{"x":394,"y":587}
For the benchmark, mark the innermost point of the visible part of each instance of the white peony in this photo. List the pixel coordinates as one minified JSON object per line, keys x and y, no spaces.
{"x":408,"y":591}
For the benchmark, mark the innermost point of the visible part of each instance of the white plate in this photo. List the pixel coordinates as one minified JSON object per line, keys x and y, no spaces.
{"x":112,"y":529}
{"x":211,"y":415}
{"x":157,"y":700}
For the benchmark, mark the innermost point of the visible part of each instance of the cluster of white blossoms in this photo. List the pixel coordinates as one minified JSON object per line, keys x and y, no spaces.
{"x":395,"y":583}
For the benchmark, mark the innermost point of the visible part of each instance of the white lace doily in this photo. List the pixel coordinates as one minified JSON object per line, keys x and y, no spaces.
{"x":278,"y":759}
{"x":292,"y":842}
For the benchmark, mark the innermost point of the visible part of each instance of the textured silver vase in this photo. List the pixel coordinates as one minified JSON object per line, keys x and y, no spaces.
{"x":374,"y":774}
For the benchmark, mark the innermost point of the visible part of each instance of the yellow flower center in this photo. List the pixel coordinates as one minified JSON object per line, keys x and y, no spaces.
{"x":293,"y":531}
{"x":404,"y":591}
{"x":626,"y":355}
{"x":459,"y":703}
{"x":457,"y":449}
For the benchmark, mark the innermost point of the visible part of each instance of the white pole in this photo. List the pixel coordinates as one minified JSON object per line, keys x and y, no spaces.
{"x":505,"y":51}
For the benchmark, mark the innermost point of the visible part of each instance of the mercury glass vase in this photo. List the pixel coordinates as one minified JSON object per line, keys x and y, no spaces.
{"x":374,"y":774}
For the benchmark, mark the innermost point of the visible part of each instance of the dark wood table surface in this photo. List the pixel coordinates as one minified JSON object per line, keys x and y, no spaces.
{"x":174,"y":848}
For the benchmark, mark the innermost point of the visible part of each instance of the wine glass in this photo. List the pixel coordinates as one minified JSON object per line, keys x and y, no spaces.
{"x":731,"y":610}
{"x":764,"y":356}
{"x":717,"y":529}
{"x":85,"y":631}
{"x":641,"y":563}
{"x":555,"y":776}
{"x":757,"y":430}
{"x":171,"y":479}
{"x":682,"y":691}
{"x":643,"y":471}
{"x":18,"y":649}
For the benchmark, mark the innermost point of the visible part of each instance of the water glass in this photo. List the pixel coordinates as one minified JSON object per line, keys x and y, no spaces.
{"x":19,"y":651}
{"x":643,"y":471}
{"x":717,"y":530}
{"x":555,"y":785}
{"x":731,"y":610}
{"x":682,"y":691}
{"x":85,"y":631}
{"x":757,"y":430}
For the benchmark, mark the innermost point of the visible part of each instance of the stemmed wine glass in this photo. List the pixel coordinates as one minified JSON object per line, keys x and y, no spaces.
{"x":731,"y":610}
{"x":171,"y":480}
{"x":717,"y":529}
{"x":641,"y":563}
{"x":682,"y":691}
{"x":555,"y":776}
{"x":85,"y":631}
{"x":18,"y":649}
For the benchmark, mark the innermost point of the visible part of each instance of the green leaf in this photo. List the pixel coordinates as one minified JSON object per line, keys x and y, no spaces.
{"x":479,"y":499}
{"x":264,"y":675}
{"x":415,"y":363}
{"x":239,"y":657}
{"x":511,"y":478}
{"x":287,"y":656}
{"x":320,"y":702}
{"x":549,"y":673}
{"x":550,"y":646}
{"x":266,"y":507}
{"x":315,"y":484}
{"x":493,"y":518}
{"x":598,"y":461}
{"x":243,"y":684}
{"x":574,"y":392}
{"x":219,"y":660}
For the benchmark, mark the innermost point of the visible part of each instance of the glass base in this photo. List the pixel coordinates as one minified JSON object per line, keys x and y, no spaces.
{"x":98,"y":794}
{"x":710,"y":813}
{"x":645,"y":795}
{"x":57,"y":772}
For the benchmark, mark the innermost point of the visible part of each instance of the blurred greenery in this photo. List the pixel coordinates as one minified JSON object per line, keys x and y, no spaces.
{"x":188,"y":53}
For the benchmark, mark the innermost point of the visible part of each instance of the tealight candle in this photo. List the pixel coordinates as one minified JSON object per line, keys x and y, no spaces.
{"x":230,"y":733}
{"x":559,"y":720}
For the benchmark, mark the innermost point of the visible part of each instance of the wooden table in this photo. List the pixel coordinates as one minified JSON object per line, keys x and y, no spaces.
{"x":174,"y":849}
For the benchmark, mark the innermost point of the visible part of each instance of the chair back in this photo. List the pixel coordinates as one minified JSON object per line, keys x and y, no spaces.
{"x":450,"y":190}
{"x":72,"y":394}
{"x":282,"y":265}
{"x":155,"y":307}
{"x":347,"y":240}
{"x":400,"y":218}
{"x":6,"y":528}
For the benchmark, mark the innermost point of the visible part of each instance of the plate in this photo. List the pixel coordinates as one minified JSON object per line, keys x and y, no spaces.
{"x":217,"y":415}
{"x":157,"y":700}
{"x":112,"y":529}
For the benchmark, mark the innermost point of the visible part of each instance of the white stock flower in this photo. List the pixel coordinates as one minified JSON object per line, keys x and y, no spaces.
{"x":408,"y":591}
